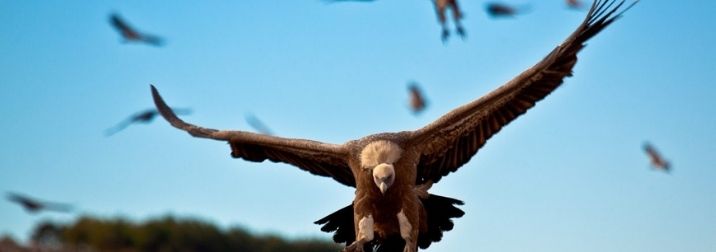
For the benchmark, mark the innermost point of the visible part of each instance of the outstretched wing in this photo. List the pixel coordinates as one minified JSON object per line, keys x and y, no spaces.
{"x":318,"y":158}
{"x":122,"y":26}
{"x":454,"y":138}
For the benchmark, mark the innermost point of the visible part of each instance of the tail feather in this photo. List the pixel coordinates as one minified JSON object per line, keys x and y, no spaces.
{"x":340,"y":222}
{"x":440,"y":211}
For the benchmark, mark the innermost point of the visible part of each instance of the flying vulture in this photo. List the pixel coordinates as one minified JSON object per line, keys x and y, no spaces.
{"x":130,"y":34}
{"x":657,"y":161}
{"x":417,"y":99}
{"x":497,"y":10}
{"x":33,"y":206}
{"x":392,"y":172}
{"x":145,"y":116}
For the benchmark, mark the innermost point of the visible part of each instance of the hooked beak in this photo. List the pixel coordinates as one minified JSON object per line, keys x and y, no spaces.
{"x":383,"y":187}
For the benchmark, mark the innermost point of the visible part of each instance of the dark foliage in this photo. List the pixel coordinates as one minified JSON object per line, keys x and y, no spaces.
{"x":164,"y":234}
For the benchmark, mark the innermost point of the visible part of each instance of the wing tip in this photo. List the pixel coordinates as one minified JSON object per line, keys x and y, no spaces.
{"x":164,"y":110}
{"x":168,"y":114}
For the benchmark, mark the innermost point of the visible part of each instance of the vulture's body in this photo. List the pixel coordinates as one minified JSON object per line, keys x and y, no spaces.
{"x":392,"y":172}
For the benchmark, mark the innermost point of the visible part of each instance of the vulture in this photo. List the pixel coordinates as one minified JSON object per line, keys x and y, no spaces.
{"x":392,"y":172}
{"x":145,"y":116}
{"x":34,"y":206}
{"x":657,"y":161}
{"x":130,"y":34}
{"x":497,"y":10}
{"x":417,"y":99}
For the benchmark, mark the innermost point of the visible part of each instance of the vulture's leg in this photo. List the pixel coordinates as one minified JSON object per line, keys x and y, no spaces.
{"x":460,"y":30}
{"x":409,"y":230}
{"x":445,"y":34}
{"x":364,"y":234}
{"x":440,"y":9}
{"x":456,"y":17}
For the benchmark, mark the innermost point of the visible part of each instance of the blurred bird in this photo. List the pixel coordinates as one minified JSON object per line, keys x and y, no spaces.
{"x":657,"y":161}
{"x":33,"y":206}
{"x":417,"y":99}
{"x":131,"y":35}
{"x":496,"y":10}
{"x":441,"y":7}
{"x":145,"y":116}
{"x":259,"y":126}
{"x":575,"y":4}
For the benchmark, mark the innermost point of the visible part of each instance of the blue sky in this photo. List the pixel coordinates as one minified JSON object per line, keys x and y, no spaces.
{"x":569,"y":175}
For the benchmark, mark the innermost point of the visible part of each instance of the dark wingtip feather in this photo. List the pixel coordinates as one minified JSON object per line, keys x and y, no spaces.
{"x":169,"y":115}
{"x":162,"y":106}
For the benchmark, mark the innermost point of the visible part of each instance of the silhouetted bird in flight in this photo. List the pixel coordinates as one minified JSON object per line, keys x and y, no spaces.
{"x":417,"y":99}
{"x":657,"y":161}
{"x":258,"y":125}
{"x":145,"y":116}
{"x":392,"y":171}
{"x":575,"y":4}
{"x":132,"y":35}
{"x":496,"y":10}
{"x":33,"y":205}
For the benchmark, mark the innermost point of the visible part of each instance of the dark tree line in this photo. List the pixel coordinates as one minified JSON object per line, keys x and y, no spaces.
{"x":163,"y":234}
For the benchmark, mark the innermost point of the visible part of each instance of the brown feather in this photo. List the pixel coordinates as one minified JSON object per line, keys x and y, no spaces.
{"x":318,"y":158}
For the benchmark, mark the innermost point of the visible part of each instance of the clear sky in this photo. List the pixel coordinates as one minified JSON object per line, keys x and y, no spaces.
{"x":570,"y":175}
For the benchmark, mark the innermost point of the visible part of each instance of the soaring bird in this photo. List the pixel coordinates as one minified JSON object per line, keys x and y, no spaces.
{"x":417,"y":99}
{"x":657,"y":161}
{"x":34,"y":206}
{"x":393,"y":171}
{"x":497,"y":10}
{"x":145,"y":116}
{"x":132,"y":35}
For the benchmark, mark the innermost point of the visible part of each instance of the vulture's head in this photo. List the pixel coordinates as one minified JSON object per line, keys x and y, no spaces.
{"x":383,"y":176}
{"x":379,"y":156}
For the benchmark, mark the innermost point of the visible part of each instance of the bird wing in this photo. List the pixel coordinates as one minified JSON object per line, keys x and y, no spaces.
{"x":57,"y":207}
{"x":152,"y":40}
{"x":14,"y":197}
{"x":118,"y":23}
{"x":318,"y":158}
{"x":651,"y":151}
{"x":119,"y":127}
{"x":450,"y":141}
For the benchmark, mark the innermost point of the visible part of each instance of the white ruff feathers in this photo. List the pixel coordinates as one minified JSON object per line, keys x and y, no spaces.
{"x":365,"y":228}
{"x":379,"y":152}
{"x":405,"y":226}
